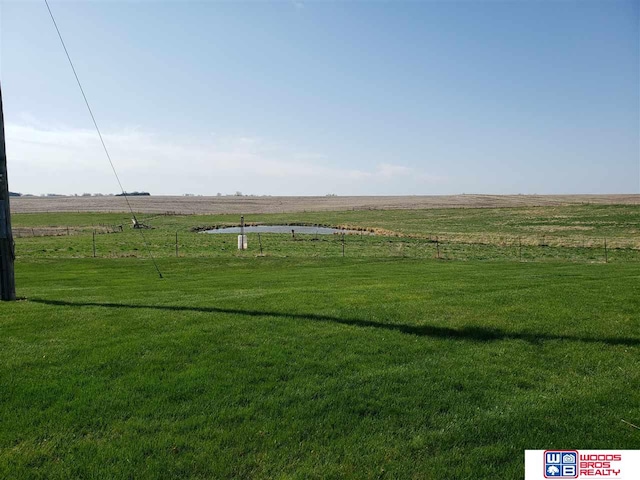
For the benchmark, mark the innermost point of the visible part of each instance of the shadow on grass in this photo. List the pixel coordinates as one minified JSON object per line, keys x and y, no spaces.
{"x":478,"y":334}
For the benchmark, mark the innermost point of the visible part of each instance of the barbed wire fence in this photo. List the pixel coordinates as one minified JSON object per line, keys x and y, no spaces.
{"x":439,"y":246}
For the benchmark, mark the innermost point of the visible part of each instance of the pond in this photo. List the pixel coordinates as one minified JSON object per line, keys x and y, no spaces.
{"x":311,"y":230}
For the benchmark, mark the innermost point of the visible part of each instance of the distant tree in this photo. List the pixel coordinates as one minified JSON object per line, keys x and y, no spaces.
{"x":15,"y":194}
{"x":133,"y":194}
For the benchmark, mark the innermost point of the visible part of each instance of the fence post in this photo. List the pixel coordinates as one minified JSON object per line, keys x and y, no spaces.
{"x":177,"y":254}
{"x":260,"y":242}
{"x":438,"y":247}
{"x":606,"y":256}
{"x":94,"y":244}
{"x":343,"y":244}
{"x":520,"y":248}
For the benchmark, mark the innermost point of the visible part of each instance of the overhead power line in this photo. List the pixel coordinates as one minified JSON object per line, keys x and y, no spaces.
{"x":104,"y":146}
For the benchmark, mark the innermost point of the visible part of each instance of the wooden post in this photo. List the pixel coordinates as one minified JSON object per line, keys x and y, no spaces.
{"x":520,"y":247}
{"x":94,"y":244}
{"x":177,"y":254}
{"x":343,"y":244}
{"x":242,"y":232}
{"x":67,"y":231}
{"x":260,"y":242}
{"x":606,"y":256}
{"x":438,"y":247}
{"x":7,"y":248}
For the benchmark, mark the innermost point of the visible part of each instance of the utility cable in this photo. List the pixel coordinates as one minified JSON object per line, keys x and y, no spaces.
{"x":144,"y":239}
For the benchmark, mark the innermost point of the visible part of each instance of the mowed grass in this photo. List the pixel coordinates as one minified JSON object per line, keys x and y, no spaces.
{"x":245,"y":367}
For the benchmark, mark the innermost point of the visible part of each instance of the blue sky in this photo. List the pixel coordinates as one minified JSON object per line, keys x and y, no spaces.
{"x":311,"y":98}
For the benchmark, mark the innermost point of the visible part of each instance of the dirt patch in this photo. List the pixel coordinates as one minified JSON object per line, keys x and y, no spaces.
{"x":557,"y":228}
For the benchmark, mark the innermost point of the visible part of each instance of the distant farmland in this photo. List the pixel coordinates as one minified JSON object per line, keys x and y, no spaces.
{"x":254,"y":205}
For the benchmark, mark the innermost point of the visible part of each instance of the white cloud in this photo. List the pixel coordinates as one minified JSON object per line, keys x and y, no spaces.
{"x":65,"y":160}
{"x":297,"y":4}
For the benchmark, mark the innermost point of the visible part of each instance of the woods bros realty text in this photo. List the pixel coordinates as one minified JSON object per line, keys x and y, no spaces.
{"x":619,"y":464}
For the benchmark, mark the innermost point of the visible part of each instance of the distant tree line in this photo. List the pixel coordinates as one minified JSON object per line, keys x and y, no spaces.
{"x":133,"y":194}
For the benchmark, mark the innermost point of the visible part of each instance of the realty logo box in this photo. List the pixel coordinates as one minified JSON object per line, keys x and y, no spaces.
{"x":561,"y":464}
{"x":582,"y":464}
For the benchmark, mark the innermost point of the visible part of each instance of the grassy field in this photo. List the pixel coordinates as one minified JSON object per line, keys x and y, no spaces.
{"x":574,"y":233}
{"x":292,"y":365}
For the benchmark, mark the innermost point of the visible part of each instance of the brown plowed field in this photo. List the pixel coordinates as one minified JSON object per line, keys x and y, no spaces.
{"x":232,"y":204}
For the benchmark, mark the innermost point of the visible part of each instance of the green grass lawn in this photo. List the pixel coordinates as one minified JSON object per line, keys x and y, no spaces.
{"x":387,"y":363}
{"x":313,"y":368}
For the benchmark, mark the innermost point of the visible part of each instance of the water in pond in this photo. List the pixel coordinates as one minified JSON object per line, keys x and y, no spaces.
{"x":283,"y":229}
